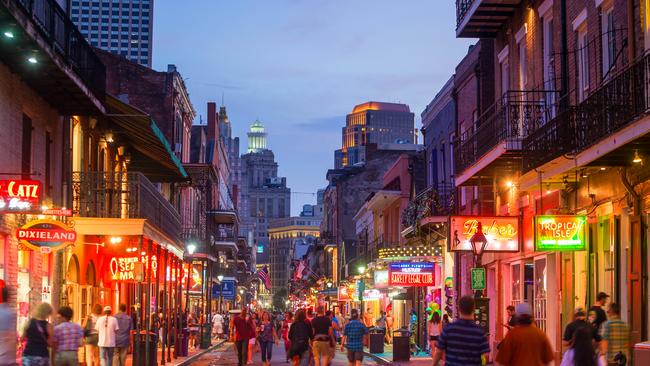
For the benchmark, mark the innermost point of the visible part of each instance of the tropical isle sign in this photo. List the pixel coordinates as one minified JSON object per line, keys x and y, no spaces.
{"x":46,"y":235}
{"x":560,"y":232}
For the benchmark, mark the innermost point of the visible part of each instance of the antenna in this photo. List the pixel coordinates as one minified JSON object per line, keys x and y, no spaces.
{"x":222,"y":94}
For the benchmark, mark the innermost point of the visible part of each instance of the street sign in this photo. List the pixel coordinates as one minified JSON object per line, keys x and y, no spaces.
{"x":361,"y":286}
{"x":478,"y":278}
{"x":227,"y":288}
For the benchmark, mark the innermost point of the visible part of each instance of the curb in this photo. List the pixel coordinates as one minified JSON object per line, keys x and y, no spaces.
{"x":379,"y":360}
{"x":190,"y":359}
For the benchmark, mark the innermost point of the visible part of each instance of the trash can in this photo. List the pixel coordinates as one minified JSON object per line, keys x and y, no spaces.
{"x":401,"y":346}
{"x":183,"y":342}
{"x":642,"y":353}
{"x":142,"y":349}
{"x":377,"y":340}
{"x":206,"y":340}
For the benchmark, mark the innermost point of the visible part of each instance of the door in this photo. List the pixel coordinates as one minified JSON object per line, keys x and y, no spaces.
{"x":567,"y":295}
{"x":635,"y":298}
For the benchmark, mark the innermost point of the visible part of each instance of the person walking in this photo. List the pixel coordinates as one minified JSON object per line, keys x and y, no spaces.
{"x":582,"y":352}
{"x":353,"y":337}
{"x":615,"y":335}
{"x":217,"y":322}
{"x":300,"y":334}
{"x":462,"y":342}
{"x":66,"y":339}
{"x":107,"y":328}
{"x":122,"y":335}
{"x":268,"y":337}
{"x":579,"y":321}
{"x":368,"y":318}
{"x":389,"y":327}
{"x":37,"y":336}
{"x":597,"y":314}
{"x":323,"y":337}
{"x":242,"y":330}
{"x":525,"y":344}
{"x":512,"y":320}
{"x":284,"y":331}
{"x":252,"y":343}
{"x":434,"y":328}
{"x":413,"y":329}
{"x":91,"y":336}
{"x":7,"y":330}
{"x":380,"y":323}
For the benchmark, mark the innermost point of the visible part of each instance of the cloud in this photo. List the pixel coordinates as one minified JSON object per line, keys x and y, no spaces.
{"x":333,"y":124}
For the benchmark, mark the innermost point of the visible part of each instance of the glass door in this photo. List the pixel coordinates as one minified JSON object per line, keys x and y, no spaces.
{"x":539,"y":305}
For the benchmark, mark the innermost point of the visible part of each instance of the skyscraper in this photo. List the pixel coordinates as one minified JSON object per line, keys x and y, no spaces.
{"x":122,"y":27}
{"x":264,"y":195}
{"x":374,"y":123}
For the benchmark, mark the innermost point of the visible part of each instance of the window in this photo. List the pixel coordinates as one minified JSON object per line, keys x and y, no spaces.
{"x":549,"y":72}
{"x":608,"y":40}
{"x":522,"y":64}
{"x":504,"y":68}
{"x":583,"y":63}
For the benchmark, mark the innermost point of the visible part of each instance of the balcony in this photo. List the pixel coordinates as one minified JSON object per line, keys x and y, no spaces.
{"x":606,"y":116}
{"x":494,"y":147}
{"x":435,"y":201}
{"x":63,"y":67}
{"x":482,"y":19}
{"x":123,"y":195}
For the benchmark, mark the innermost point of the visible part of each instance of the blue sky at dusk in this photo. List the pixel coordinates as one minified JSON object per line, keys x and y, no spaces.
{"x":301,"y":65}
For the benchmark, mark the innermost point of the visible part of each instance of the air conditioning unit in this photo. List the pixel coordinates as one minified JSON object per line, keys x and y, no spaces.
{"x":178,"y":147}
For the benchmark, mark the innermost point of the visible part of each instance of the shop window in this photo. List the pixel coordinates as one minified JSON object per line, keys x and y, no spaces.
{"x":540,"y":293}
{"x":516,"y":282}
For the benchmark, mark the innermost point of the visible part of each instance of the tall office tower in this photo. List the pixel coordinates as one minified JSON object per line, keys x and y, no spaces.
{"x":231,"y":145}
{"x":264,"y":195}
{"x":374,"y":123}
{"x":122,"y":27}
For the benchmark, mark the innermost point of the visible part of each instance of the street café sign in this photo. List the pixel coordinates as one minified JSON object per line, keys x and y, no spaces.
{"x":501,"y":232}
{"x":130,"y":268}
{"x":20,"y":195}
{"x":414,"y":274}
{"x":560,"y":232}
{"x":46,"y":235}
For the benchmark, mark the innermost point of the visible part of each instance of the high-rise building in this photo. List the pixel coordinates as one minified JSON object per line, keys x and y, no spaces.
{"x":374,"y":123}
{"x":264,"y":195}
{"x":122,"y":27}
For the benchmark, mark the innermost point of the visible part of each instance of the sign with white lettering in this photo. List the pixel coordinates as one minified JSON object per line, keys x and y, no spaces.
{"x":501,"y":232}
{"x":46,"y":233}
{"x":129,"y":268}
{"x":560,"y":232}
{"x":20,"y":196}
{"x":414,"y":274}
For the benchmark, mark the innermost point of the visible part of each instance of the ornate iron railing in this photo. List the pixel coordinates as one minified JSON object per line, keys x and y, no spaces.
{"x":617,"y":103}
{"x":62,"y":34}
{"x":436,"y":200}
{"x":509,"y":120}
{"x":462,"y":7}
{"x":123,"y":195}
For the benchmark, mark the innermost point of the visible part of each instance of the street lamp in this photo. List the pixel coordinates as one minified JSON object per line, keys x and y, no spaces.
{"x":220,"y":279}
{"x":361,"y":269}
{"x":191,"y":248}
{"x":479,"y":242}
{"x":361,"y":286}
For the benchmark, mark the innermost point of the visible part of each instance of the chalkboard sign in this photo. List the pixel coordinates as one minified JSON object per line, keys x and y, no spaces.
{"x":482,"y":314}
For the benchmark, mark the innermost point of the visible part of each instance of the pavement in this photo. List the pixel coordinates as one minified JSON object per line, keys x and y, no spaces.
{"x":386,"y":358}
{"x":226,"y":355}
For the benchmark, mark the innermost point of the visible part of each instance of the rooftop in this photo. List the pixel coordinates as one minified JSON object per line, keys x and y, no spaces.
{"x":381,"y":106}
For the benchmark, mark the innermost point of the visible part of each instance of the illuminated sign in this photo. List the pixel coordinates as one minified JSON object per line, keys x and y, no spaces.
{"x":344,"y":293}
{"x":260,"y":248}
{"x":20,"y":195}
{"x":409,"y":252}
{"x":414,"y":274}
{"x":371,"y":294}
{"x":46,"y":234}
{"x":501,"y":232}
{"x":128,"y":268}
{"x":560,"y":232}
{"x":381,"y":278}
{"x":57,"y":212}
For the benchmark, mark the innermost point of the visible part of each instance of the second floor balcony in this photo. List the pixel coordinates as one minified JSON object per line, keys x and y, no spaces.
{"x":483,"y":18}
{"x":123,"y":195}
{"x":495,"y":142}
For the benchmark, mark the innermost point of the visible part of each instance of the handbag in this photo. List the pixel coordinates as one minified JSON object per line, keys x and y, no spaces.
{"x":90,"y":337}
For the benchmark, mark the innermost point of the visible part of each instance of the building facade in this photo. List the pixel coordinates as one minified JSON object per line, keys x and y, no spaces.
{"x":373,"y":123}
{"x":121,"y":27}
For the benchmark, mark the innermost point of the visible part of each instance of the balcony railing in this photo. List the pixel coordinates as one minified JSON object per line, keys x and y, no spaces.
{"x":514,"y":116}
{"x":55,"y":26}
{"x":123,"y":195}
{"x":434,"y":201}
{"x":462,"y":7}
{"x":617,"y":103}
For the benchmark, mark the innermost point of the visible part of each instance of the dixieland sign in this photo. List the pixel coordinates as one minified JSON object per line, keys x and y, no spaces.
{"x":46,"y":234}
{"x":415,"y":274}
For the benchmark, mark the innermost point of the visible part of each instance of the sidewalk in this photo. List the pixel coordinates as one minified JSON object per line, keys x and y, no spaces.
{"x":386,"y":358}
{"x":193,"y":354}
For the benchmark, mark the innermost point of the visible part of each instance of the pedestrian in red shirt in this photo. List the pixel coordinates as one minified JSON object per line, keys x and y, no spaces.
{"x":244,"y":330}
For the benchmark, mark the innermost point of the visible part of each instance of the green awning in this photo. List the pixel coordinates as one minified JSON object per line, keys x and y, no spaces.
{"x":151,"y":153}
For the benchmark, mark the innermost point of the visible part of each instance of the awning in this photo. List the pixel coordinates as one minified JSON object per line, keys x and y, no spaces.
{"x":150,"y":151}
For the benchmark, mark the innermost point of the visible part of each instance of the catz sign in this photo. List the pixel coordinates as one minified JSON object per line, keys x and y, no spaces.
{"x":46,"y":234}
{"x":414,"y":274}
{"x":20,"y":196}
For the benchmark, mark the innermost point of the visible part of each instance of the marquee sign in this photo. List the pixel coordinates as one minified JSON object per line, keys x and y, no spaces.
{"x":22,"y":196}
{"x":502,"y":232}
{"x":560,"y":232}
{"x":46,"y":234}
{"x":414,"y":274}
{"x":129,"y":268}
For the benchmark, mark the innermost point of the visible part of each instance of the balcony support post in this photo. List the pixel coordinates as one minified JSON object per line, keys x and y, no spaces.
{"x":165,"y":318}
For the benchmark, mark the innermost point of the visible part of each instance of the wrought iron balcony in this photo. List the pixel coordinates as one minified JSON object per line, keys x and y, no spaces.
{"x":621,"y":100}
{"x":58,"y":46}
{"x":482,"y":19}
{"x":434,"y":201}
{"x":123,"y":195}
{"x":505,"y":124}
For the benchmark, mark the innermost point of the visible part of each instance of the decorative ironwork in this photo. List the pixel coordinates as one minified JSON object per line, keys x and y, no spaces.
{"x":618,"y":102}
{"x":509,"y":120}
{"x":462,"y":7}
{"x":55,"y":26}
{"x":434,"y":201}
{"x":123,"y":195}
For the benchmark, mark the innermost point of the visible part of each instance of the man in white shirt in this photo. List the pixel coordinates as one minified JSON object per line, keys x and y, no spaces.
{"x":107,"y":327}
{"x":217,"y":325}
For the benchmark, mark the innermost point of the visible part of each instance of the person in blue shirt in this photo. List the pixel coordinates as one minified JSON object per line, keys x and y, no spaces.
{"x":353,"y":336}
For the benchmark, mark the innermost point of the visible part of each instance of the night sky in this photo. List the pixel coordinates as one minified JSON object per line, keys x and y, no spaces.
{"x":301,"y":65}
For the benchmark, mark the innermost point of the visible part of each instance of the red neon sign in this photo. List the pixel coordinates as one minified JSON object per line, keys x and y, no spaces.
{"x":19,"y":195}
{"x":501,"y":232}
{"x":413,"y":274}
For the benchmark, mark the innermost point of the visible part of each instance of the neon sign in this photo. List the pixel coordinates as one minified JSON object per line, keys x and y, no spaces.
{"x":415,"y":274}
{"x":502,"y":233}
{"x":48,"y":234}
{"x":560,"y":232}
{"x":125,"y":268}
{"x":19,"y":195}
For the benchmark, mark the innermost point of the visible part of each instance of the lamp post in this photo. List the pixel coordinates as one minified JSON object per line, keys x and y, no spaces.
{"x":479,"y":242}
{"x":220,"y":279}
{"x":362,"y":271}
